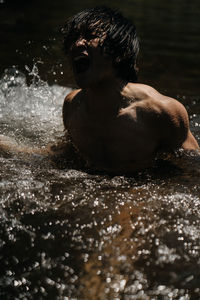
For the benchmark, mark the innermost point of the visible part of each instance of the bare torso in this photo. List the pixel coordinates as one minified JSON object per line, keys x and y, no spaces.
{"x":120,"y":131}
{"x":116,"y":126}
{"x":125,"y":136}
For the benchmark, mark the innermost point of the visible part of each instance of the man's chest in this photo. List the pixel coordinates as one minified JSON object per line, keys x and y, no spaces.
{"x":107,"y":140}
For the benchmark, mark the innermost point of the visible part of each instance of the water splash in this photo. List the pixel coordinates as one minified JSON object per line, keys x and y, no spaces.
{"x":30,"y":113}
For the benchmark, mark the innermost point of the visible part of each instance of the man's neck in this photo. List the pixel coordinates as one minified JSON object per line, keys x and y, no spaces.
{"x":105,"y":97}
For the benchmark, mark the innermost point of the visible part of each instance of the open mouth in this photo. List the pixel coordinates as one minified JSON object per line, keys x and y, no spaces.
{"x":81,"y":64}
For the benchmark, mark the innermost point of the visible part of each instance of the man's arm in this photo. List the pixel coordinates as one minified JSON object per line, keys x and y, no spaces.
{"x":55,"y":150}
{"x":9,"y":147}
{"x":190,"y":142}
{"x":174,"y":126}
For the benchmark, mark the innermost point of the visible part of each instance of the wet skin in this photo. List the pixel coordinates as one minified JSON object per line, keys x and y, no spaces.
{"x":118,"y":126}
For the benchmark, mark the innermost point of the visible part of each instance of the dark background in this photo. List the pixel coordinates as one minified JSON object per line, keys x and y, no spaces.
{"x":169,"y":33}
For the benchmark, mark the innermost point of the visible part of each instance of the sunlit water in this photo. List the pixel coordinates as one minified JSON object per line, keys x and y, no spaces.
{"x":69,"y":234}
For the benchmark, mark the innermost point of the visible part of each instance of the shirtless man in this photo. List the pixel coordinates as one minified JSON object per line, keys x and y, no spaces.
{"x":116,"y":124}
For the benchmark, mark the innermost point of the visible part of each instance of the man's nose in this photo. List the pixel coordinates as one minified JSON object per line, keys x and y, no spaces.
{"x":80,"y":42}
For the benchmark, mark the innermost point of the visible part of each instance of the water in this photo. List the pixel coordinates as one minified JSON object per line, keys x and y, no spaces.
{"x":69,"y":234}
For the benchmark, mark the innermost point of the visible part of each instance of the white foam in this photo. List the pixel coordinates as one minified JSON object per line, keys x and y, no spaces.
{"x":30,"y":111}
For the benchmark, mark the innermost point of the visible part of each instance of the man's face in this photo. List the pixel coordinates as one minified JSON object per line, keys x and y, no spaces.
{"x":90,"y":65}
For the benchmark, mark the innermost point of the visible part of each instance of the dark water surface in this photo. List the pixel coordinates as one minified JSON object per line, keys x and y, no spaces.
{"x":66,"y":233}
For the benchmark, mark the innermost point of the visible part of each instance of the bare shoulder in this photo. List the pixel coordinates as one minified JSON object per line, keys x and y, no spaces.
{"x":69,"y":98}
{"x":167,"y":115}
{"x":140,"y":91}
{"x":149,"y":99}
{"x":70,"y":103}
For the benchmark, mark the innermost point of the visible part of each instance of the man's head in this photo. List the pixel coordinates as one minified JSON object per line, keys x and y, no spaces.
{"x":116,"y":34}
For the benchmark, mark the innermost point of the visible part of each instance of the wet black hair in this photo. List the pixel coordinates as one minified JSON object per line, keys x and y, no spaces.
{"x":118,"y":37}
